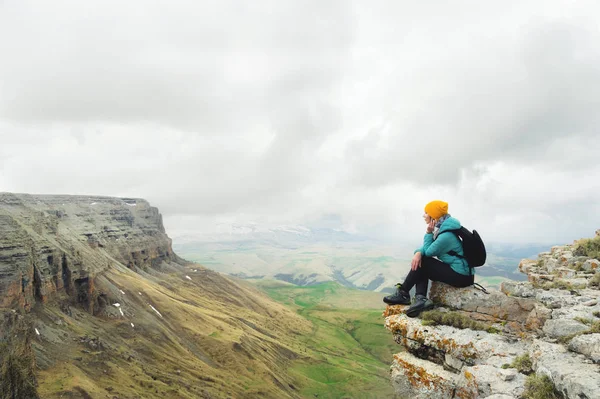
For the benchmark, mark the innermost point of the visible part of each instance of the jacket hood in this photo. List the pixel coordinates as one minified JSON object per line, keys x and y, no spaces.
{"x":450,"y":224}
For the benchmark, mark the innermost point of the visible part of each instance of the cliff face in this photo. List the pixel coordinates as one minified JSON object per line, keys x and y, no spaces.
{"x":96,"y":304}
{"x":60,"y":243}
{"x":478,"y":345}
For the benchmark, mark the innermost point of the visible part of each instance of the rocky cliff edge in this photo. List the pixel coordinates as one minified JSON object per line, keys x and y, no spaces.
{"x":540,"y":337}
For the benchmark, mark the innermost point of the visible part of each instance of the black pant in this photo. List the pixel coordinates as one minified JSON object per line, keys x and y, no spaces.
{"x":434,"y":270}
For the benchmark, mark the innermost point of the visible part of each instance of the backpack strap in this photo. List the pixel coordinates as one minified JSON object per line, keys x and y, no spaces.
{"x":480,"y":288}
{"x":454,"y":253}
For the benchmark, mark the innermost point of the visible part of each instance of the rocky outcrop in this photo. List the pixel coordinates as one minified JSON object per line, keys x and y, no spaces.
{"x":552,"y":321}
{"x":51,"y":244}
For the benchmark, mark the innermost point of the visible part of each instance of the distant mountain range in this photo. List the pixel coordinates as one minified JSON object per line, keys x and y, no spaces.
{"x":303,"y":255}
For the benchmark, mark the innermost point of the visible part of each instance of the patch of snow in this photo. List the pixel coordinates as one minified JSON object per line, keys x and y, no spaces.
{"x":140,"y":293}
{"x":188,"y":277}
{"x":93,"y":203}
{"x":37,"y":332}
{"x":116,"y":304}
{"x":122,"y":292}
{"x":132,"y":325}
{"x":131,"y":204}
{"x":157,"y":312}
{"x":121,"y":310}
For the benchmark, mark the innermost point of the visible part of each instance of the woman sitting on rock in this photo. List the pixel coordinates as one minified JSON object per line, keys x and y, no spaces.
{"x":450,"y":267}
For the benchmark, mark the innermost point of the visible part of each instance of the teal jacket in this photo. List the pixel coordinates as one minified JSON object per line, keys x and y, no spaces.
{"x":445,"y":243}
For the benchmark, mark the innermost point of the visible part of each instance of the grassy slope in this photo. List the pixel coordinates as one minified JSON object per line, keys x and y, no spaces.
{"x":216,"y":338}
{"x":350,"y":351}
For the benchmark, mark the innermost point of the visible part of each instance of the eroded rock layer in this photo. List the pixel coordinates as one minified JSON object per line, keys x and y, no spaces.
{"x":54,"y":243}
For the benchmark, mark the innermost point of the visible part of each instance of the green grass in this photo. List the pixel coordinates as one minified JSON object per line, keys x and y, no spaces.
{"x":540,"y":387}
{"x":522,"y":363}
{"x":17,"y":360}
{"x":587,"y":322}
{"x":348,"y":351}
{"x":557,"y":284}
{"x":454,"y":319}
{"x":588,"y":247}
{"x":595,"y":281}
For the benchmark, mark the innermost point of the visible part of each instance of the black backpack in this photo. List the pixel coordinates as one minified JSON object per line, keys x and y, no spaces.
{"x":473,"y":247}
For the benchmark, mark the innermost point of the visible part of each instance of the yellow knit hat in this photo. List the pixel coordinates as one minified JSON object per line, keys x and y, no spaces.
{"x":436,"y":209}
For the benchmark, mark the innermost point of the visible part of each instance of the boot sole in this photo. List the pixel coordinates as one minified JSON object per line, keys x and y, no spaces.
{"x":416,"y":312}
{"x":397,"y":303}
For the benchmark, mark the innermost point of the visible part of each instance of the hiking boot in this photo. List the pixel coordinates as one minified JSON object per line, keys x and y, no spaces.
{"x":421,"y":304}
{"x":400,"y":297}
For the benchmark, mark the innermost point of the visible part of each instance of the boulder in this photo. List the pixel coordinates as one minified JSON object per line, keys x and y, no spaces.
{"x":518,"y":289}
{"x":528,"y":265}
{"x":537,"y":318}
{"x":483,"y":381}
{"x":552,"y":296}
{"x":564,"y":272}
{"x":495,"y":303}
{"x":578,"y":282}
{"x":588,"y":345}
{"x":419,"y":379}
{"x":540,"y":278}
{"x":570,"y":373}
{"x":558,"y":328}
{"x":549,"y":265}
{"x":591,"y":265}
{"x":564,"y":257}
{"x":584,"y":310}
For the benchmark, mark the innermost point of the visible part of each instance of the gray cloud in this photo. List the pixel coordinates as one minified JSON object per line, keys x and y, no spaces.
{"x":286,"y":112}
{"x":213,"y":68}
{"x":496,"y":104}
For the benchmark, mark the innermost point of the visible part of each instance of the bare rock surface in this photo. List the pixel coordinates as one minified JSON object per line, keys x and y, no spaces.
{"x":588,"y":345}
{"x":417,"y":378}
{"x":52,"y":243}
{"x":571,"y":374}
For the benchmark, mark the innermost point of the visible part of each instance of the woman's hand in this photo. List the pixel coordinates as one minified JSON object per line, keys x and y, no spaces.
{"x":416,"y":261}
{"x":430,"y":227}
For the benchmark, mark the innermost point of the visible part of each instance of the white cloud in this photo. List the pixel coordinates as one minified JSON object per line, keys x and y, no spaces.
{"x":310,"y":112}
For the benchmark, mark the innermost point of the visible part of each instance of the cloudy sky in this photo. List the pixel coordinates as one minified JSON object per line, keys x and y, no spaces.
{"x":351,"y":114}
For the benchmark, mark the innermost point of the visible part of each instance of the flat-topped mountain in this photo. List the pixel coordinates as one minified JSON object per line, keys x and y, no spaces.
{"x":54,"y":243}
{"x":95,"y":304}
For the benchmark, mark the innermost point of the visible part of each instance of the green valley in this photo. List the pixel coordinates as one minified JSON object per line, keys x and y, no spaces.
{"x":348,"y":349}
